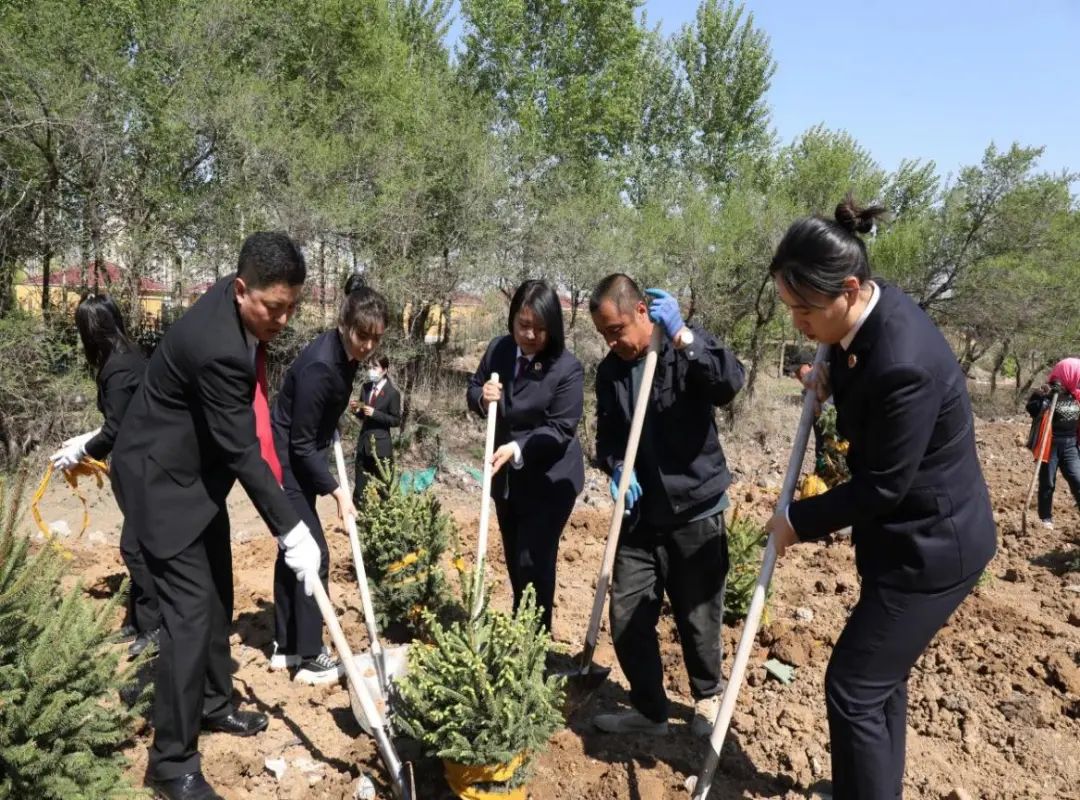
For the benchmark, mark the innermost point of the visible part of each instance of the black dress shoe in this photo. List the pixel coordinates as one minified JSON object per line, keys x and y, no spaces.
{"x":143,"y":641}
{"x":192,"y":786}
{"x":125,"y":635}
{"x":238,"y":723}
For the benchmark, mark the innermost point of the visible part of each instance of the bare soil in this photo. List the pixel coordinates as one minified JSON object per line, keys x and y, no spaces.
{"x":994,"y":702}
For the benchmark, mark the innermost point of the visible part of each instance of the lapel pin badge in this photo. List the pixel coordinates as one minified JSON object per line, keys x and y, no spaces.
{"x":852,"y":360}
{"x":536,"y":366}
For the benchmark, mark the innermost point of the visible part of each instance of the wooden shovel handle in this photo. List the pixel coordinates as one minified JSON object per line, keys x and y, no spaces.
{"x":637,"y":422}
{"x":485,"y":505}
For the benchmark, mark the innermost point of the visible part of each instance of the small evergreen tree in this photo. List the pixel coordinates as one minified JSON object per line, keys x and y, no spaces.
{"x":61,"y":719}
{"x":477,"y":695}
{"x":746,"y":546}
{"x":403,"y":536}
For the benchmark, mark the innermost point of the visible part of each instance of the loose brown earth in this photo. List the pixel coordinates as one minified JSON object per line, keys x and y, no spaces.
{"x":994,"y":703}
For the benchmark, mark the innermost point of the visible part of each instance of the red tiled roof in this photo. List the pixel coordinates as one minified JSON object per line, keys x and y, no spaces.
{"x":109,"y":274}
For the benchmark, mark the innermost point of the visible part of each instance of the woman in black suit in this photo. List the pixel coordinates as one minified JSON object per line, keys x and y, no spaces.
{"x":378,"y":410}
{"x":313,"y":396}
{"x":538,"y":466}
{"x":120,"y":367}
{"x":917,"y":503}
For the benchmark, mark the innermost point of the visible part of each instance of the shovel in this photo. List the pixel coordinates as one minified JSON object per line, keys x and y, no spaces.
{"x":1041,"y":448}
{"x":587,"y":676}
{"x":401,"y":773}
{"x":700,"y":785}
{"x":485,"y":506}
{"x":378,"y":656}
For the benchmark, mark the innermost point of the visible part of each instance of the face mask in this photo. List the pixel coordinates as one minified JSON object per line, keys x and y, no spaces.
{"x":374,"y":375}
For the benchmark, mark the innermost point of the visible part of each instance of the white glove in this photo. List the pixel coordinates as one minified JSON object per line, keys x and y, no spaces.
{"x":67,"y":457}
{"x":82,"y":438}
{"x":302,"y":555}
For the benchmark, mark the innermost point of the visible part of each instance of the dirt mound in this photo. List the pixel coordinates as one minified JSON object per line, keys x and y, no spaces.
{"x":994,"y":703}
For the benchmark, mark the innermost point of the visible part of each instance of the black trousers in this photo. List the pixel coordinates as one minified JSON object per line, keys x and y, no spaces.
{"x":530,"y":536}
{"x":142,"y":606}
{"x":298,"y":624}
{"x":866,"y":684}
{"x":1065,"y":454}
{"x":142,"y":609}
{"x":690,"y":563}
{"x":194,"y":667}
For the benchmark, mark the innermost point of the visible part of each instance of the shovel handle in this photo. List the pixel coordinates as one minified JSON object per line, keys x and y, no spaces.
{"x":637,"y":422}
{"x":389,"y":755}
{"x":1040,"y":447}
{"x":485,"y":504}
{"x":757,"y":600}
{"x":361,"y":572}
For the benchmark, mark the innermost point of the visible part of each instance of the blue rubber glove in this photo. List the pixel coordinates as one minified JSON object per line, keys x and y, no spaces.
{"x":633,"y":491}
{"x":664,"y":309}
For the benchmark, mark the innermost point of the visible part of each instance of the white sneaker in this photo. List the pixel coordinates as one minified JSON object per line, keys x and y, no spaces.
{"x":629,"y":721}
{"x":279,"y":661}
{"x":705,"y":712}
{"x":324,"y":668}
{"x":1047,"y":523}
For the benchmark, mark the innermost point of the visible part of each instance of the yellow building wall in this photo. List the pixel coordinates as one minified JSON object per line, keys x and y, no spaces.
{"x":28,"y":298}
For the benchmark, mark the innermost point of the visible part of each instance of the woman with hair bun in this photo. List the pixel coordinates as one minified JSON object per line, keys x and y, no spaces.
{"x":917,"y":503}
{"x":120,"y":366}
{"x":312,"y":398}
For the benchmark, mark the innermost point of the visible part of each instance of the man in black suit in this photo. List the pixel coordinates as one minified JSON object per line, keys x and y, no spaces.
{"x":379,"y":410}
{"x":675,"y":540}
{"x":198,"y":423}
{"x":922,"y":524}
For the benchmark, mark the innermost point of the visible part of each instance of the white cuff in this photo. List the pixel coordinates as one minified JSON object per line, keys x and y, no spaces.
{"x":787,"y":517}
{"x":519,"y":460}
{"x":295,"y":535}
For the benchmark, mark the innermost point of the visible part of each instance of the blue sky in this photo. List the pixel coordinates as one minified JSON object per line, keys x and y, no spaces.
{"x":920,"y":79}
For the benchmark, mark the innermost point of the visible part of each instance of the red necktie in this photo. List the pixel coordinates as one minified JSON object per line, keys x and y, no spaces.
{"x":522,"y":366}
{"x":262,"y":414}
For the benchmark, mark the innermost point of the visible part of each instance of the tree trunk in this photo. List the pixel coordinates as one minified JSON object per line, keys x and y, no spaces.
{"x":85,"y":249}
{"x":764,"y":309}
{"x":999,"y":362}
{"x":1035,"y":372}
{"x":51,"y":192}
{"x":322,"y":278}
{"x":96,"y":243}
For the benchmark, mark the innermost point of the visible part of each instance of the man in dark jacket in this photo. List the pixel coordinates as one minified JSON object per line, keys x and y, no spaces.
{"x":674,"y":538}
{"x":198,"y":423}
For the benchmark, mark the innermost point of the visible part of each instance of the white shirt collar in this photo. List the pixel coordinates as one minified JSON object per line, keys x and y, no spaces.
{"x":521,"y":355}
{"x":875,"y":295}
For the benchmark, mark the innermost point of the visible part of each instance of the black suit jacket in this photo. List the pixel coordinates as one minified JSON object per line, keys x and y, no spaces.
{"x":306,"y":411}
{"x":680,"y":445}
{"x":117,"y":382}
{"x":376,"y":428}
{"x":189,"y":432}
{"x":540,"y":412}
{"x":917,"y":502}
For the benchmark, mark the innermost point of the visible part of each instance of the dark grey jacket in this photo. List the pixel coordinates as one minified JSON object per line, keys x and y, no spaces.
{"x":681,"y":421}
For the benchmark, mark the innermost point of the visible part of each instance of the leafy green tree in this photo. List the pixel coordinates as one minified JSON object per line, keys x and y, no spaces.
{"x":728,"y":66}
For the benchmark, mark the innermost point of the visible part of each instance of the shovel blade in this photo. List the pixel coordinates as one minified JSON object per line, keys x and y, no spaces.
{"x":589,"y":679}
{"x":405,"y":784}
